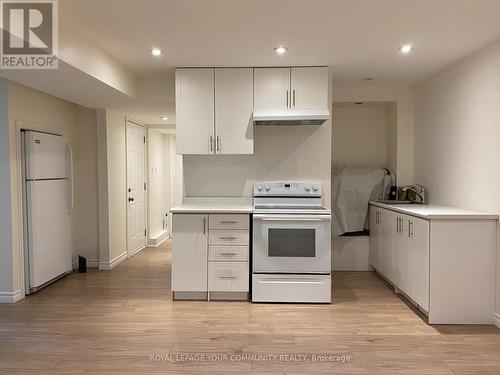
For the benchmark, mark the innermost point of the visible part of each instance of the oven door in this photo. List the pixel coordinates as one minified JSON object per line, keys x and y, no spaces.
{"x":291,"y":243}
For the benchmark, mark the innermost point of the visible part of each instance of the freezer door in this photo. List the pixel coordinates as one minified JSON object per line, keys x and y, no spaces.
{"x":49,"y":230}
{"x":46,"y":156}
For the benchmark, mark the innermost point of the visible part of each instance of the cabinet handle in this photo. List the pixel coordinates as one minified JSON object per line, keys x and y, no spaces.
{"x":218,"y":143}
{"x":204,"y":226}
{"x":211,"y":143}
{"x":227,"y":277}
{"x":228,"y":222}
{"x":287,"y":99}
{"x":409,"y":230}
{"x":228,"y":254}
{"x":293,"y":98}
{"x":228,"y":238}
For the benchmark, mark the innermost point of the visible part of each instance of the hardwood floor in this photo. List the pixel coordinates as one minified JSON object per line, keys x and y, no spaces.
{"x":111,"y":322}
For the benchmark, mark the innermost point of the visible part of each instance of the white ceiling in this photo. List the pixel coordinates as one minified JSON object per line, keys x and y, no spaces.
{"x":357,"y":38}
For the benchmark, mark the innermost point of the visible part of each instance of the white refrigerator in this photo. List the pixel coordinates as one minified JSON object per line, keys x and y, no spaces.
{"x":48,"y":201}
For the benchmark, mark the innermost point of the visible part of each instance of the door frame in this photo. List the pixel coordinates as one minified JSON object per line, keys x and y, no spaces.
{"x":146,"y":191}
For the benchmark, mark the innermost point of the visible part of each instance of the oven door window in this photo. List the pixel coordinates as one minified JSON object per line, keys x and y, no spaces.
{"x":286,"y":242}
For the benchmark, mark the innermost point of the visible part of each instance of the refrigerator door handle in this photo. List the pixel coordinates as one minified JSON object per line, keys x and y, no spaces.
{"x":70,"y":176}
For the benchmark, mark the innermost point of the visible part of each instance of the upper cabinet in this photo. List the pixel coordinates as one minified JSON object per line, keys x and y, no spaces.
{"x":194,"y":109}
{"x":233,"y":110}
{"x":272,"y":88}
{"x":309,"y":87}
{"x":216,"y":107}
{"x":214,"y":111}
{"x":290,"y":88}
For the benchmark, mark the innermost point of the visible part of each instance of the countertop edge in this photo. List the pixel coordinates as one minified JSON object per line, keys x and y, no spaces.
{"x":212,"y":210}
{"x":471,"y":216}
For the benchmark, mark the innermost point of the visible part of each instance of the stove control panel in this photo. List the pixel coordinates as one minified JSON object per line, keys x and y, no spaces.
{"x":287,"y":188}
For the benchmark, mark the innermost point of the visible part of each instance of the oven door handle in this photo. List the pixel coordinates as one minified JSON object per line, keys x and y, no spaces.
{"x":292,"y":217}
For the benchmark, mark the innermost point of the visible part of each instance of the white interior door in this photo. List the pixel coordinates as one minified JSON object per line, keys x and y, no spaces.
{"x":136,"y":223}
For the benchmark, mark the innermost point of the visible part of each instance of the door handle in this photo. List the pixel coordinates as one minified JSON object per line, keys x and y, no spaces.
{"x":131,"y":199}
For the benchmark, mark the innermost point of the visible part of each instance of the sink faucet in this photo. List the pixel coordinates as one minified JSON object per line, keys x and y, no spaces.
{"x":418,"y":189}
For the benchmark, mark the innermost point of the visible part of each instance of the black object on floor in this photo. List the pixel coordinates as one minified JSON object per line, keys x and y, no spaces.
{"x":82,"y":264}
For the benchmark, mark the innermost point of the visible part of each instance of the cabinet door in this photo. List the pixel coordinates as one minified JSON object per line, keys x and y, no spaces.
{"x":419,"y":255}
{"x":309,"y":87}
{"x":386,"y":218}
{"x":374,"y":237}
{"x":194,"y":110}
{"x":233,"y":111}
{"x":189,"y":252}
{"x":406,"y":257}
{"x":271,"y":89}
{"x":396,"y":250}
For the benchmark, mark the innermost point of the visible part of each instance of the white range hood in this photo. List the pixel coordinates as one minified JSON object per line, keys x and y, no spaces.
{"x":315,"y":116}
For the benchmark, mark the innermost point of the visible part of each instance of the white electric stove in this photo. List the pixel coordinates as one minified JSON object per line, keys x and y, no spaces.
{"x":291,"y":243}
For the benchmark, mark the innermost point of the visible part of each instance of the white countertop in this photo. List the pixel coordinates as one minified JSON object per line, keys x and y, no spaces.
{"x":215,"y":205}
{"x":436,"y":212}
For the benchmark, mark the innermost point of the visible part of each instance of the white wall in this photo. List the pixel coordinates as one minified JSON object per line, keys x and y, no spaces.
{"x":159,"y":180}
{"x":286,"y":152}
{"x":32,"y":106}
{"x":112,"y":164}
{"x":457,"y":135}
{"x":402,"y":125}
{"x":360,"y":136}
{"x":85,"y":212}
{"x":8,"y":286}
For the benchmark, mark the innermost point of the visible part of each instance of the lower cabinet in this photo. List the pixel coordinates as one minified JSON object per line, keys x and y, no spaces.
{"x":210,"y":256}
{"x":399,"y":250}
{"x":444,"y":266}
{"x":189,"y":253}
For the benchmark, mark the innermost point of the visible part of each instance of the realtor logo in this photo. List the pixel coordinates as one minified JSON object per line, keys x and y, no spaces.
{"x":29,"y":34}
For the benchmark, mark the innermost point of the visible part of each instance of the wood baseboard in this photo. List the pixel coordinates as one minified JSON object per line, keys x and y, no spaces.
{"x":496,"y":320}
{"x":11,"y":297}
{"x":106,"y":266}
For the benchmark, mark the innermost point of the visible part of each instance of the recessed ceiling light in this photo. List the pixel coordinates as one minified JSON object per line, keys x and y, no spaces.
{"x":406,"y":48}
{"x":164,"y":118}
{"x":281,"y":50}
{"x":156,"y":51}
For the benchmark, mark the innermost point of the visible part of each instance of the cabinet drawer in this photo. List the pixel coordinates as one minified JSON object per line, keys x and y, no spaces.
{"x":228,"y":277}
{"x":223,"y":221}
{"x":228,"y":237}
{"x":228,"y":253}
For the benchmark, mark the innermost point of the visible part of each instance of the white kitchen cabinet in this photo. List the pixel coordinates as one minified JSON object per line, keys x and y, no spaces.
{"x":189,"y":253}
{"x":271,"y":89}
{"x":233,"y":111}
{"x":374,"y":237}
{"x":278,"y":89}
{"x":309,"y":87}
{"x":445,"y":266}
{"x":214,"y":111}
{"x":209,"y":256}
{"x":417,"y":249}
{"x":194,"y":108}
